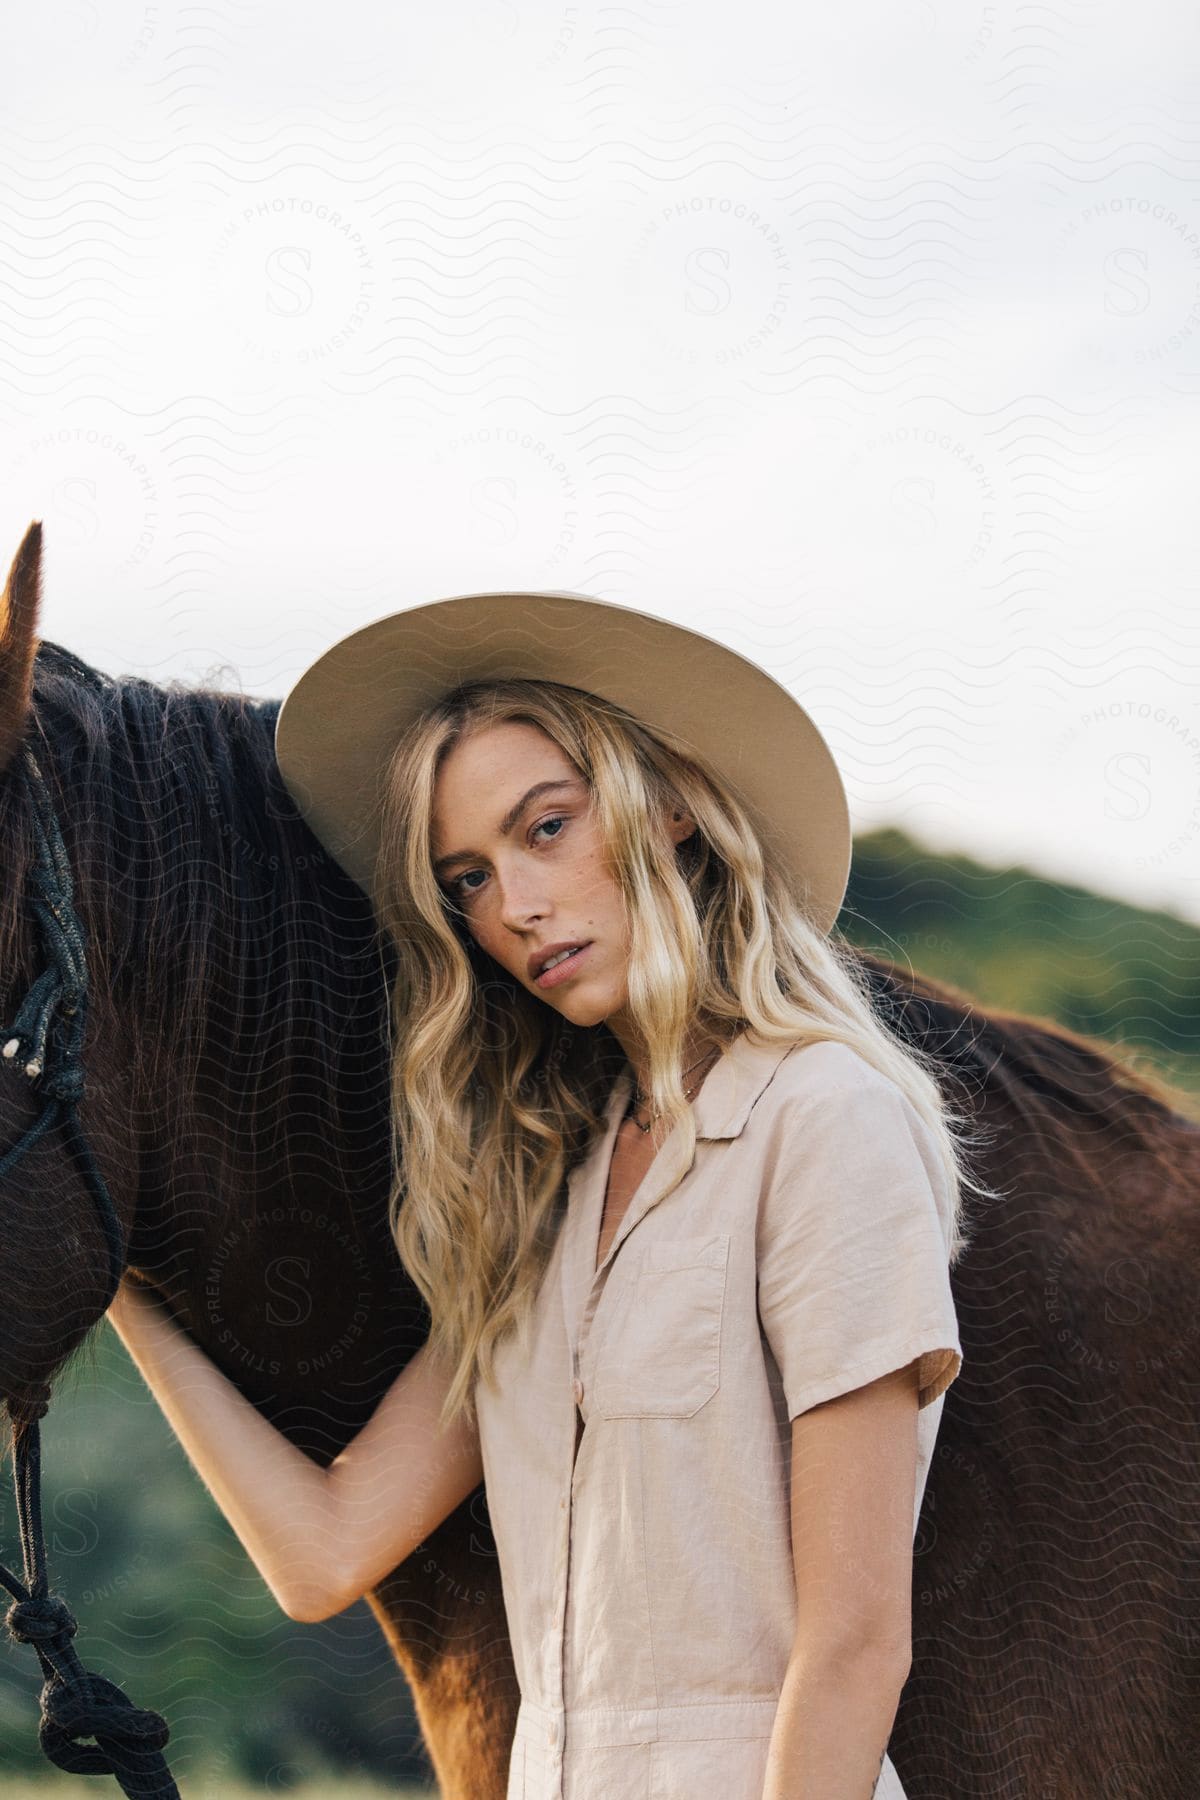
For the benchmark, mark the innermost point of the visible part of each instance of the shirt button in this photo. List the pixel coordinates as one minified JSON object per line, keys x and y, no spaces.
{"x":578,"y":1391}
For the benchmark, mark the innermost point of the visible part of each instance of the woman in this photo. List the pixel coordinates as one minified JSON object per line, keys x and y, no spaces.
{"x":681,"y":1209}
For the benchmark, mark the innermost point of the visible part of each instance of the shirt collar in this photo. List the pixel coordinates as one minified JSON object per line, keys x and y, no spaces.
{"x":730,"y":1089}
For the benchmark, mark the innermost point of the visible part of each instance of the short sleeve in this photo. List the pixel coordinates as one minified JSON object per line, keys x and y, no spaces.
{"x":852,"y":1248}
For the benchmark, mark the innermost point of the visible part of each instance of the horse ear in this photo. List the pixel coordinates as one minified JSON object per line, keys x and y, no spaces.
{"x":19,"y":609}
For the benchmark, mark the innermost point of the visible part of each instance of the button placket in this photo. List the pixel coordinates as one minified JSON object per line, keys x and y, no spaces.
{"x":582,"y":1287}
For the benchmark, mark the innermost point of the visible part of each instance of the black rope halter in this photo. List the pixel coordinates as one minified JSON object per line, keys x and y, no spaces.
{"x":45,"y":1042}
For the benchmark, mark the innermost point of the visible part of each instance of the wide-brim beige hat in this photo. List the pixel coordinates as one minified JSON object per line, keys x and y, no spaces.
{"x":346,"y":712}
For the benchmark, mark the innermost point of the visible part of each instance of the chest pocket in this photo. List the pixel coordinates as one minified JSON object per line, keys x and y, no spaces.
{"x":661,"y":1357}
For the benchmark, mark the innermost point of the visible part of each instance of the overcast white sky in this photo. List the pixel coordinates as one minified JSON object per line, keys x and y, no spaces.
{"x":865,"y":338}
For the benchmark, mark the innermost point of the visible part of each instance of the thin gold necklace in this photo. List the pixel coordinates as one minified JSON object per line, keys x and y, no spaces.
{"x":639,"y":1099}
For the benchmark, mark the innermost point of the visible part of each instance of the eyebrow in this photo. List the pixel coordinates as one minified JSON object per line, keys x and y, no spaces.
{"x":510,"y":818}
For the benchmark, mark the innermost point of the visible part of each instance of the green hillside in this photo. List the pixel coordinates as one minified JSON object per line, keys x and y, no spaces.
{"x":1018,"y":942}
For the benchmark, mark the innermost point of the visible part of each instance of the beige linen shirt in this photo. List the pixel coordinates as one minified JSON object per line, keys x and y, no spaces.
{"x":647,"y":1576}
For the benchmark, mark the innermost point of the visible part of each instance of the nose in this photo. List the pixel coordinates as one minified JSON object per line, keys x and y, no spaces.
{"x":521,"y":903}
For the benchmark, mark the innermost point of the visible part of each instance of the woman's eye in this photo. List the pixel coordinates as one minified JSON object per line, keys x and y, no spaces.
{"x":463,"y":893}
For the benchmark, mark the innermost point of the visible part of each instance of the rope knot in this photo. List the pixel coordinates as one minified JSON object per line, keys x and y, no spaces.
{"x":89,"y":1705}
{"x":41,"y":1619}
{"x":27,"y":1405}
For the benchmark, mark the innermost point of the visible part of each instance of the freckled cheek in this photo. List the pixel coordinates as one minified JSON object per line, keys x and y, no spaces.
{"x":590,"y":885}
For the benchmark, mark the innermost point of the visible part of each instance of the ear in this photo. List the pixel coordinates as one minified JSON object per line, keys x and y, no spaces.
{"x":682,"y":825}
{"x":19,"y":607}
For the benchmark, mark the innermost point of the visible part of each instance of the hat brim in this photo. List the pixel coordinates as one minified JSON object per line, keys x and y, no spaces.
{"x":346,"y":712}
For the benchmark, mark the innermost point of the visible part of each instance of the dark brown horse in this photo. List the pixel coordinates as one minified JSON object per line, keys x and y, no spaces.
{"x":237,"y":1097}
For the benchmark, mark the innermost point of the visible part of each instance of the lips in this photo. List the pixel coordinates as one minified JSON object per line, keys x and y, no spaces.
{"x":573,"y":957}
{"x":540,"y":958}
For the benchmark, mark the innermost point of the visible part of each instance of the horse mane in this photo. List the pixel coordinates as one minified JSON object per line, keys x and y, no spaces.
{"x":1062,"y":1085}
{"x":211,"y":913}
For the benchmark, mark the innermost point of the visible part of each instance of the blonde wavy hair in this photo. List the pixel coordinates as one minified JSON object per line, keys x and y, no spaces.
{"x":495,"y":1096}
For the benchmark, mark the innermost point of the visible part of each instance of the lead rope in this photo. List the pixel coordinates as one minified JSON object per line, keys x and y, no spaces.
{"x":75,"y":1702}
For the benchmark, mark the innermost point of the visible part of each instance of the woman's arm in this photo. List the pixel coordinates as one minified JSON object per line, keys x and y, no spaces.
{"x":854,"y":1472}
{"x":319,"y":1537}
